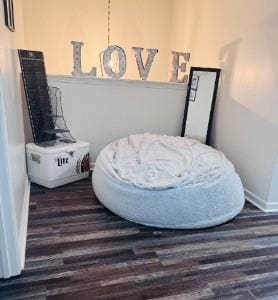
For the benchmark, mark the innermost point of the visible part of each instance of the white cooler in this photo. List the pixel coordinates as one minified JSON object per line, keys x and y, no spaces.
{"x":59,"y":164}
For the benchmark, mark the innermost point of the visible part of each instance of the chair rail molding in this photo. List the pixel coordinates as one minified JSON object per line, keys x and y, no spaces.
{"x":116,"y":82}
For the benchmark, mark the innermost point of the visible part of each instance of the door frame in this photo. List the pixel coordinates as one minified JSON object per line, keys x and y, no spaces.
{"x":10,"y":263}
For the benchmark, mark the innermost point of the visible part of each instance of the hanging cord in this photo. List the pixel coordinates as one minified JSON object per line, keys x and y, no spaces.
{"x":108,"y":22}
{"x":108,"y":35}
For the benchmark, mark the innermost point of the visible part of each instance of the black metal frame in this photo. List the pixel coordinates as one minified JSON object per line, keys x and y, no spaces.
{"x":187,"y":101}
{"x":37,"y":95}
{"x":9,"y":14}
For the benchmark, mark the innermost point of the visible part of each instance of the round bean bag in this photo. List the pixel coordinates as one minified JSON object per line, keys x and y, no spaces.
{"x":167,"y":182}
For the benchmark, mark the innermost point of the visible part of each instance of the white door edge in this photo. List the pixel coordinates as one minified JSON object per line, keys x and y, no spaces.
{"x":9,"y":250}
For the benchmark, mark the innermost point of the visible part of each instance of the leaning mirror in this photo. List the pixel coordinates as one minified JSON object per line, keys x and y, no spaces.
{"x":200,"y":102}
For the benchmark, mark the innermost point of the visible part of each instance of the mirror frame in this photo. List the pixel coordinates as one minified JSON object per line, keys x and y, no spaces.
{"x":187,"y":101}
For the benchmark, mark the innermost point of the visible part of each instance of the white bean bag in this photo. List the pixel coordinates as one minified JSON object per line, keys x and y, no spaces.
{"x":167,"y":182}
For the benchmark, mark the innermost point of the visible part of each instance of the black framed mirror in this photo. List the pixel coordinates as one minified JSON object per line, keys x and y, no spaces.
{"x":200,"y":102}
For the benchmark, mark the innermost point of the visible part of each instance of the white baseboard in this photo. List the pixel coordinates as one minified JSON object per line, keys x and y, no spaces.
{"x":24,"y":223}
{"x":272,"y":206}
{"x":1,"y":271}
{"x":92,"y":166}
{"x":259,"y":202}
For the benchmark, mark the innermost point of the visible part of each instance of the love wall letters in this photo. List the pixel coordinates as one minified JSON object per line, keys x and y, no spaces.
{"x":178,"y":66}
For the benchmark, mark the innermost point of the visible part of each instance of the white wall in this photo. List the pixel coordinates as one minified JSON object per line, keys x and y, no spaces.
{"x":51,"y":25}
{"x":103,"y":110}
{"x":10,"y":74}
{"x":241,"y":38}
{"x":12,"y":154}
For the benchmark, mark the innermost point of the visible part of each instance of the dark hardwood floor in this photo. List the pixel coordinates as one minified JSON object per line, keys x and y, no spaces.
{"x":77,"y":249}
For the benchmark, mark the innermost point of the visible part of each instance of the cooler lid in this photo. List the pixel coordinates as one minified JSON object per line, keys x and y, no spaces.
{"x":57,"y":148}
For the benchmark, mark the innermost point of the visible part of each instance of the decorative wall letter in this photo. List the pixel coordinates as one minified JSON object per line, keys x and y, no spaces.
{"x":144,"y":70}
{"x":107,"y":62}
{"x":176,"y":66}
{"x":113,"y":60}
{"x":77,"y":69}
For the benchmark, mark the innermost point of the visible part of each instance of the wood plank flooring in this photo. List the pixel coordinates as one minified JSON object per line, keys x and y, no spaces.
{"x":77,"y":249}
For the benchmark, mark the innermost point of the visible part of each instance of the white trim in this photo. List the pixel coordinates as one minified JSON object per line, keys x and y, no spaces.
{"x":255,"y":199}
{"x":115,"y":82}
{"x":24,"y":223}
{"x":1,"y":271}
{"x":272,"y":206}
{"x":92,"y":166}
{"x":273,"y":191}
{"x":259,"y":202}
{"x":10,"y":257}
